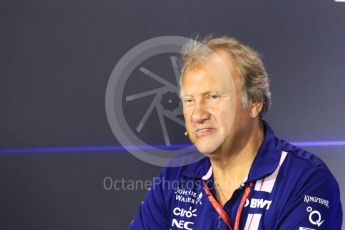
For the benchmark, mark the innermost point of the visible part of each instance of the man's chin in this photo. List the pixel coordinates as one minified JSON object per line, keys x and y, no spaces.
{"x":206,"y":150}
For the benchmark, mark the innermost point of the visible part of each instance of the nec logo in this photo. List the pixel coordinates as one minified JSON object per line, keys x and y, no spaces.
{"x":258,"y":203}
{"x":181,"y":224}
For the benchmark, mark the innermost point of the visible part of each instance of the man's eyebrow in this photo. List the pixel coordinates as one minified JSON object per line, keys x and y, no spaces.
{"x":210,"y":92}
{"x":202,"y":94}
{"x":185,"y":95}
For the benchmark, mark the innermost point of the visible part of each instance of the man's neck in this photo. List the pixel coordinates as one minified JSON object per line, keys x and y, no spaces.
{"x":241,"y":155}
{"x":230,"y":169}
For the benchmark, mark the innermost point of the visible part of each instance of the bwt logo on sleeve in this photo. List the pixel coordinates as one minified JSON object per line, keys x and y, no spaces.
{"x":258,"y":203}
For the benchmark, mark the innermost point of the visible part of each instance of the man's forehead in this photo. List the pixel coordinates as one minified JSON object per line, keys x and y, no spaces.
{"x":206,"y":84}
{"x":218,"y":63}
{"x":217,"y":57}
{"x":217,"y":72}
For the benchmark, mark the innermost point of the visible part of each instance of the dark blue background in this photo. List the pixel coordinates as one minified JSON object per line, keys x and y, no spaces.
{"x":57,"y":56}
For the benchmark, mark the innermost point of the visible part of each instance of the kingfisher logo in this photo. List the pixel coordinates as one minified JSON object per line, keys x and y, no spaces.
{"x":258,"y":203}
{"x":314,"y":199}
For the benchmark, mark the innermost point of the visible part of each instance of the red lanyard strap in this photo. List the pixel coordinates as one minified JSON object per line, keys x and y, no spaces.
{"x":220,"y":210}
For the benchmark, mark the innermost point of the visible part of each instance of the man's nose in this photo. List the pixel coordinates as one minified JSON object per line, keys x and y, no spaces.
{"x":199,"y":114}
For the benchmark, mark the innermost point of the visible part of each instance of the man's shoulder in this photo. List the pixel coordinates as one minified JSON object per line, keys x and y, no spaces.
{"x":304,"y":157}
{"x":304,"y":163}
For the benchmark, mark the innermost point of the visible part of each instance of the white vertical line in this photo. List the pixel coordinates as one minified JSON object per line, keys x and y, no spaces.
{"x":258,"y":185}
{"x":269,"y":182}
{"x":255,"y":223}
{"x":248,"y":222}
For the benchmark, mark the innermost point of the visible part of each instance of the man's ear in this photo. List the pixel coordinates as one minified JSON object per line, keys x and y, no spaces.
{"x":255,"y":108}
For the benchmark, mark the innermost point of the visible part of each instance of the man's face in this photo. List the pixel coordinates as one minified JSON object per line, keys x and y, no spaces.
{"x":212,"y":108}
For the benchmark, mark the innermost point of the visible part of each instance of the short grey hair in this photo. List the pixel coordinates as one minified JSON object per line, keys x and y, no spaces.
{"x":254,"y":79}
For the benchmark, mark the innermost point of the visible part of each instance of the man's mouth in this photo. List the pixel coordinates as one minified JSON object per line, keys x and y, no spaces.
{"x":204,"y":132}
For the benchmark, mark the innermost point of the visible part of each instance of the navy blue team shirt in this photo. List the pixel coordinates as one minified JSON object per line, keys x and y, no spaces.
{"x":292,"y":189}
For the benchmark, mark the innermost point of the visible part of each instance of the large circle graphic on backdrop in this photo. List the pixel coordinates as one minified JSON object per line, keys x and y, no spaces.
{"x":164,"y":102}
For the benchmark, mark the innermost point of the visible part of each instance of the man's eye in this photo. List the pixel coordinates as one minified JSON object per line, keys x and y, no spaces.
{"x":188,"y":101}
{"x":213,"y":96}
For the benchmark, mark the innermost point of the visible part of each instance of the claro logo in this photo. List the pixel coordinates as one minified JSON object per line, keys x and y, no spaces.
{"x":184,"y":213}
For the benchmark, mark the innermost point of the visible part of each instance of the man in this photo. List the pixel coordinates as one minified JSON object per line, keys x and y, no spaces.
{"x":249,"y":178}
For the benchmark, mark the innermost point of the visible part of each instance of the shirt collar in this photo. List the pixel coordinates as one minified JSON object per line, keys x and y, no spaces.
{"x":264,"y":164}
{"x":268,"y":156}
